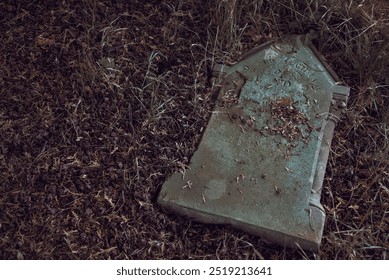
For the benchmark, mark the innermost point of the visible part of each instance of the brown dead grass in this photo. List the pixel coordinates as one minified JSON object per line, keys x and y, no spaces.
{"x":100,"y":102}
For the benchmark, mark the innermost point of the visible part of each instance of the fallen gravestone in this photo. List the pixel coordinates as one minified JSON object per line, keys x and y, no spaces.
{"x":261,"y":161}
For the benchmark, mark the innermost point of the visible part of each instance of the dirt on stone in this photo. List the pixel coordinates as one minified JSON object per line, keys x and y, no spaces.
{"x":100,"y":101}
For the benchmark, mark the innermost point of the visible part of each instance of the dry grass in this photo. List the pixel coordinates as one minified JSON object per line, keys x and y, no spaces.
{"x":101,"y":102}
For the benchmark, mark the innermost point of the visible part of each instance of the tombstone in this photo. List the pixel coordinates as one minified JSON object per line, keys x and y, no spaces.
{"x":261,"y":161}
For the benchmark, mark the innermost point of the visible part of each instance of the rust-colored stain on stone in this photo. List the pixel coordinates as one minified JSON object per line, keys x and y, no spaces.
{"x":261,"y":161}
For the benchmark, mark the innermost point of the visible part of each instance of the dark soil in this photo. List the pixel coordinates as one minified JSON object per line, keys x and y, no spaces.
{"x":100,"y":101}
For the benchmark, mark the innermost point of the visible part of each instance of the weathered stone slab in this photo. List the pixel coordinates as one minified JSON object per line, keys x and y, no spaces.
{"x":261,"y":161}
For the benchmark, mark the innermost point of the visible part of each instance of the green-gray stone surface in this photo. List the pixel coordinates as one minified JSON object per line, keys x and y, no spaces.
{"x":259,"y":165}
